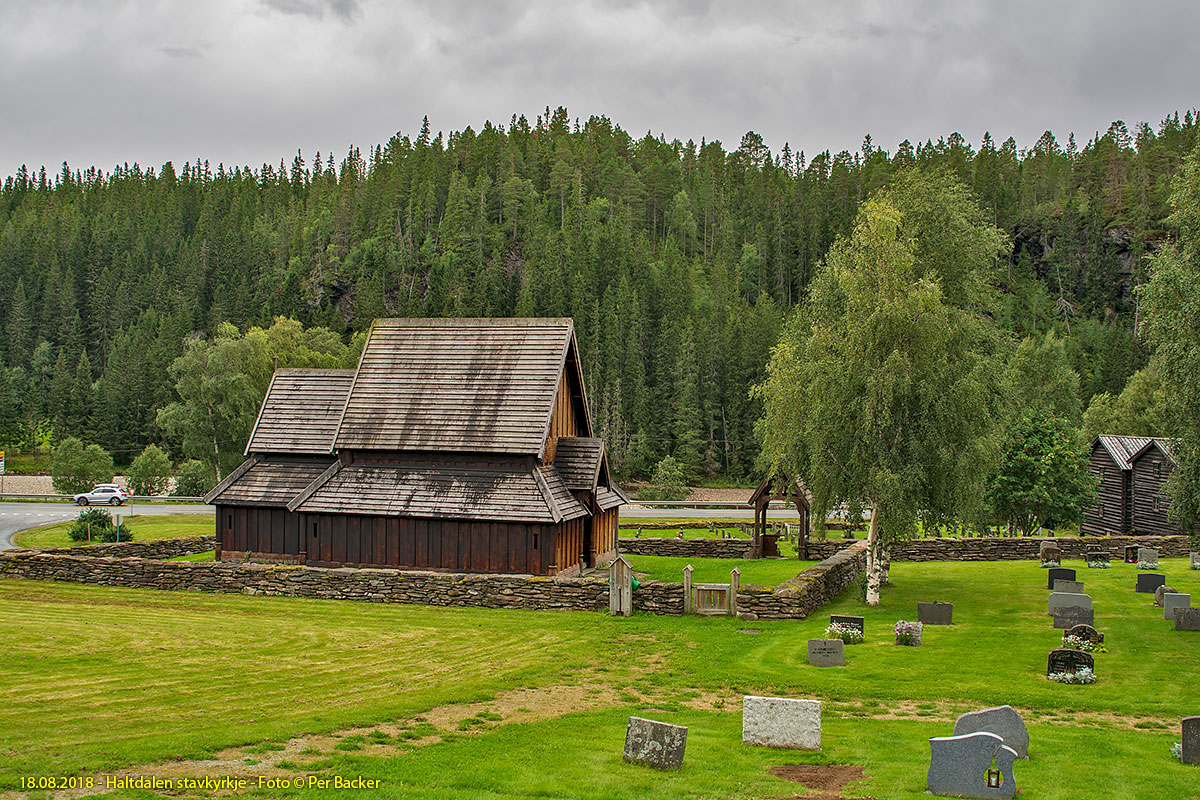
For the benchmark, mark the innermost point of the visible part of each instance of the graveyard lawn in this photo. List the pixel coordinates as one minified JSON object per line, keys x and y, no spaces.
{"x":147,"y":527}
{"x":762,"y":571}
{"x":414,"y":695}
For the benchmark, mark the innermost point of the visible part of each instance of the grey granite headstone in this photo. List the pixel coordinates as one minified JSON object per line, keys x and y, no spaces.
{"x":1074,"y":587}
{"x":1147,"y":582}
{"x":1063,"y":660}
{"x":655,"y":744}
{"x":827,"y":652}
{"x":1191,"y":740}
{"x":1071,"y":616}
{"x":1186,"y":619}
{"x":935,"y":613}
{"x":1064,"y":599}
{"x":781,"y":722}
{"x":1086,"y":632}
{"x":1058,"y":574}
{"x":1194,"y":562}
{"x":958,"y":765}
{"x":1004,"y":721}
{"x":1160,"y":591}
{"x":853,"y":622}
{"x":1172,"y":601}
{"x":1148,"y":555}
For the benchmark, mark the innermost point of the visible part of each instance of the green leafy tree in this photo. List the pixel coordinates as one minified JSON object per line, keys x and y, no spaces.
{"x":1171,"y":302}
{"x":150,"y":472}
{"x":193,"y":479}
{"x":881,"y":393}
{"x":1040,"y":377}
{"x":97,"y":525}
{"x":667,"y":482}
{"x":75,"y":468}
{"x":1043,"y":480}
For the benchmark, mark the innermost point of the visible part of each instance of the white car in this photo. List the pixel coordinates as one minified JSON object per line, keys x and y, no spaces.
{"x":102,"y":493}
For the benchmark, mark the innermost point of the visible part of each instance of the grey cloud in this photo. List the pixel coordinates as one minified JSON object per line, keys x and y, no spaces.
{"x":181,"y":52}
{"x":347,"y":10}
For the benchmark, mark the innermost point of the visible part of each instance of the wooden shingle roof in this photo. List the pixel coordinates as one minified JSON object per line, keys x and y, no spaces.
{"x":483,"y":493}
{"x":578,"y":459}
{"x":473,"y":385}
{"x":267,"y":482}
{"x":301,"y":411}
{"x":1122,"y":448}
{"x":1163,"y":445}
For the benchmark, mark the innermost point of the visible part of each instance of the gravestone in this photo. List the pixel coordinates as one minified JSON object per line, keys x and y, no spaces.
{"x":1172,"y":601}
{"x":781,"y":722}
{"x":1147,"y":582}
{"x":655,"y":744}
{"x":1058,"y":574}
{"x":1159,"y":592}
{"x":935,"y":613}
{"x":853,"y":622}
{"x":1096,"y":558}
{"x":1070,"y":616}
{"x":1049,"y":551}
{"x":1064,"y":599}
{"x":1191,"y":740}
{"x":1075,"y":587}
{"x":1086,"y":632}
{"x":1187,"y":619}
{"x":1131,"y":553}
{"x":959,"y":766}
{"x":1063,"y":660}
{"x":1004,"y":721}
{"x":827,"y":652}
{"x":1194,"y":561}
{"x":1149,"y":556}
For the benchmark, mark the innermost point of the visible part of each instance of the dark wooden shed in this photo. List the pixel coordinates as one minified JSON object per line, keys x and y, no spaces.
{"x":457,"y":444}
{"x":1149,"y":469}
{"x":1118,"y":494}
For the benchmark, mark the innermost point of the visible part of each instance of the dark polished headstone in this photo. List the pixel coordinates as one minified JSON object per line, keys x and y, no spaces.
{"x":1063,"y":660}
{"x":935,"y":613}
{"x":1058,"y":574}
{"x":1147,"y":582}
{"x":851,"y":621}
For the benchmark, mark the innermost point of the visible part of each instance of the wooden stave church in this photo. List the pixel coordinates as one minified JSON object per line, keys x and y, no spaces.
{"x":461,"y":445}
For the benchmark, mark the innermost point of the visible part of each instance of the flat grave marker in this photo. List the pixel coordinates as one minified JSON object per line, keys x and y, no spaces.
{"x":781,"y":722}
{"x":1004,"y":721}
{"x":1147,"y":582}
{"x":936,"y":613}
{"x":827,"y":652}
{"x":655,"y":744}
{"x":1172,"y":601}
{"x":1058,"y":574}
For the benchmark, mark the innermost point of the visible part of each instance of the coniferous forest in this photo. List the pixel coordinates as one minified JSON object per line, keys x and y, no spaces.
{"x":677,"y":260}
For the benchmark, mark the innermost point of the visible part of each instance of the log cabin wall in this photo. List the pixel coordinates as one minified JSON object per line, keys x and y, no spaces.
{"x":1149,"y":473}
{"x":451,"y":545}
{"x":1108,"y":515}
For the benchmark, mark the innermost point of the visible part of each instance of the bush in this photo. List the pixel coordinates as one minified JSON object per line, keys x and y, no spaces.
{"x":96,"y":524}
{"x":194,"y":479}
{"x":1081,"y":676}
{"x":847,"y":633}
{"x":76,"y":469}
{"x":667,"y":482}
{"x":150,"y":472}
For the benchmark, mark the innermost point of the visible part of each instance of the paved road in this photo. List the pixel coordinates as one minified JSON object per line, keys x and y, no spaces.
{"x":16,"y":517}
{"x":705,"y":513}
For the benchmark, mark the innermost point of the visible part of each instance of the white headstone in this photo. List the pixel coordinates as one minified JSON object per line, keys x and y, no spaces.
{"x":781,"y":722}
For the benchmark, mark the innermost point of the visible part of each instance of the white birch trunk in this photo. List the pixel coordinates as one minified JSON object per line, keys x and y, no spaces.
{"x":873,"y":566}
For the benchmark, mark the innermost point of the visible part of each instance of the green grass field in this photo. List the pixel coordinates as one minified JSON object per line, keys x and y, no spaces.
{"x":765,"y":572}
{"x":145,"y":528}
{"x":481,"y":703}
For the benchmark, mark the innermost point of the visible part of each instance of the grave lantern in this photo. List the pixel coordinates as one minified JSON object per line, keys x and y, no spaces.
{"x":993,"y":778}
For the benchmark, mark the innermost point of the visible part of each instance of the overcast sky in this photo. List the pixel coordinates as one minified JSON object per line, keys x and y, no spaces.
{"x":101,"y":82}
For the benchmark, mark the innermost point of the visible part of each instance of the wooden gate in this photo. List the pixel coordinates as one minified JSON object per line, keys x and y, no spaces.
{"x":710,"y":599}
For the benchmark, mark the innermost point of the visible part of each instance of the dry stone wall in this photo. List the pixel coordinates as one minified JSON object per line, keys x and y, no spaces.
{"x":686,"y":548}
{"x":157,"y":548}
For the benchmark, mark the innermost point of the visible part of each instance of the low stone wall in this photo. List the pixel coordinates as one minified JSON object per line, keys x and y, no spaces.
{"x":157,"y":548}
{"x":686,"y":548}
{"x":1005,"y":548}
{"x":118,"y":566}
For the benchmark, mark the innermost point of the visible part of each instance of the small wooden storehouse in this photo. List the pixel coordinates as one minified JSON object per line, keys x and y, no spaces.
{"x":1149,"y":468}
{"x":1119,"y":496}
{"x":457,"y":444}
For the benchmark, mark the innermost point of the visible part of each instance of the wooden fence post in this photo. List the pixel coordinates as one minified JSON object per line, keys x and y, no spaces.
{"x":735,"y":580}
{"x":687,"y":589}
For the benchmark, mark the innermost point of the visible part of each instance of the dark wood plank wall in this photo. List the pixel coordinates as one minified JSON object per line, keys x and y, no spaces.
{"x":1109,"y":514}
{"x":258,"y":530}
{"x":1150,"y":505}
{"x":451,"y":545}
{"x":569,"y":552}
